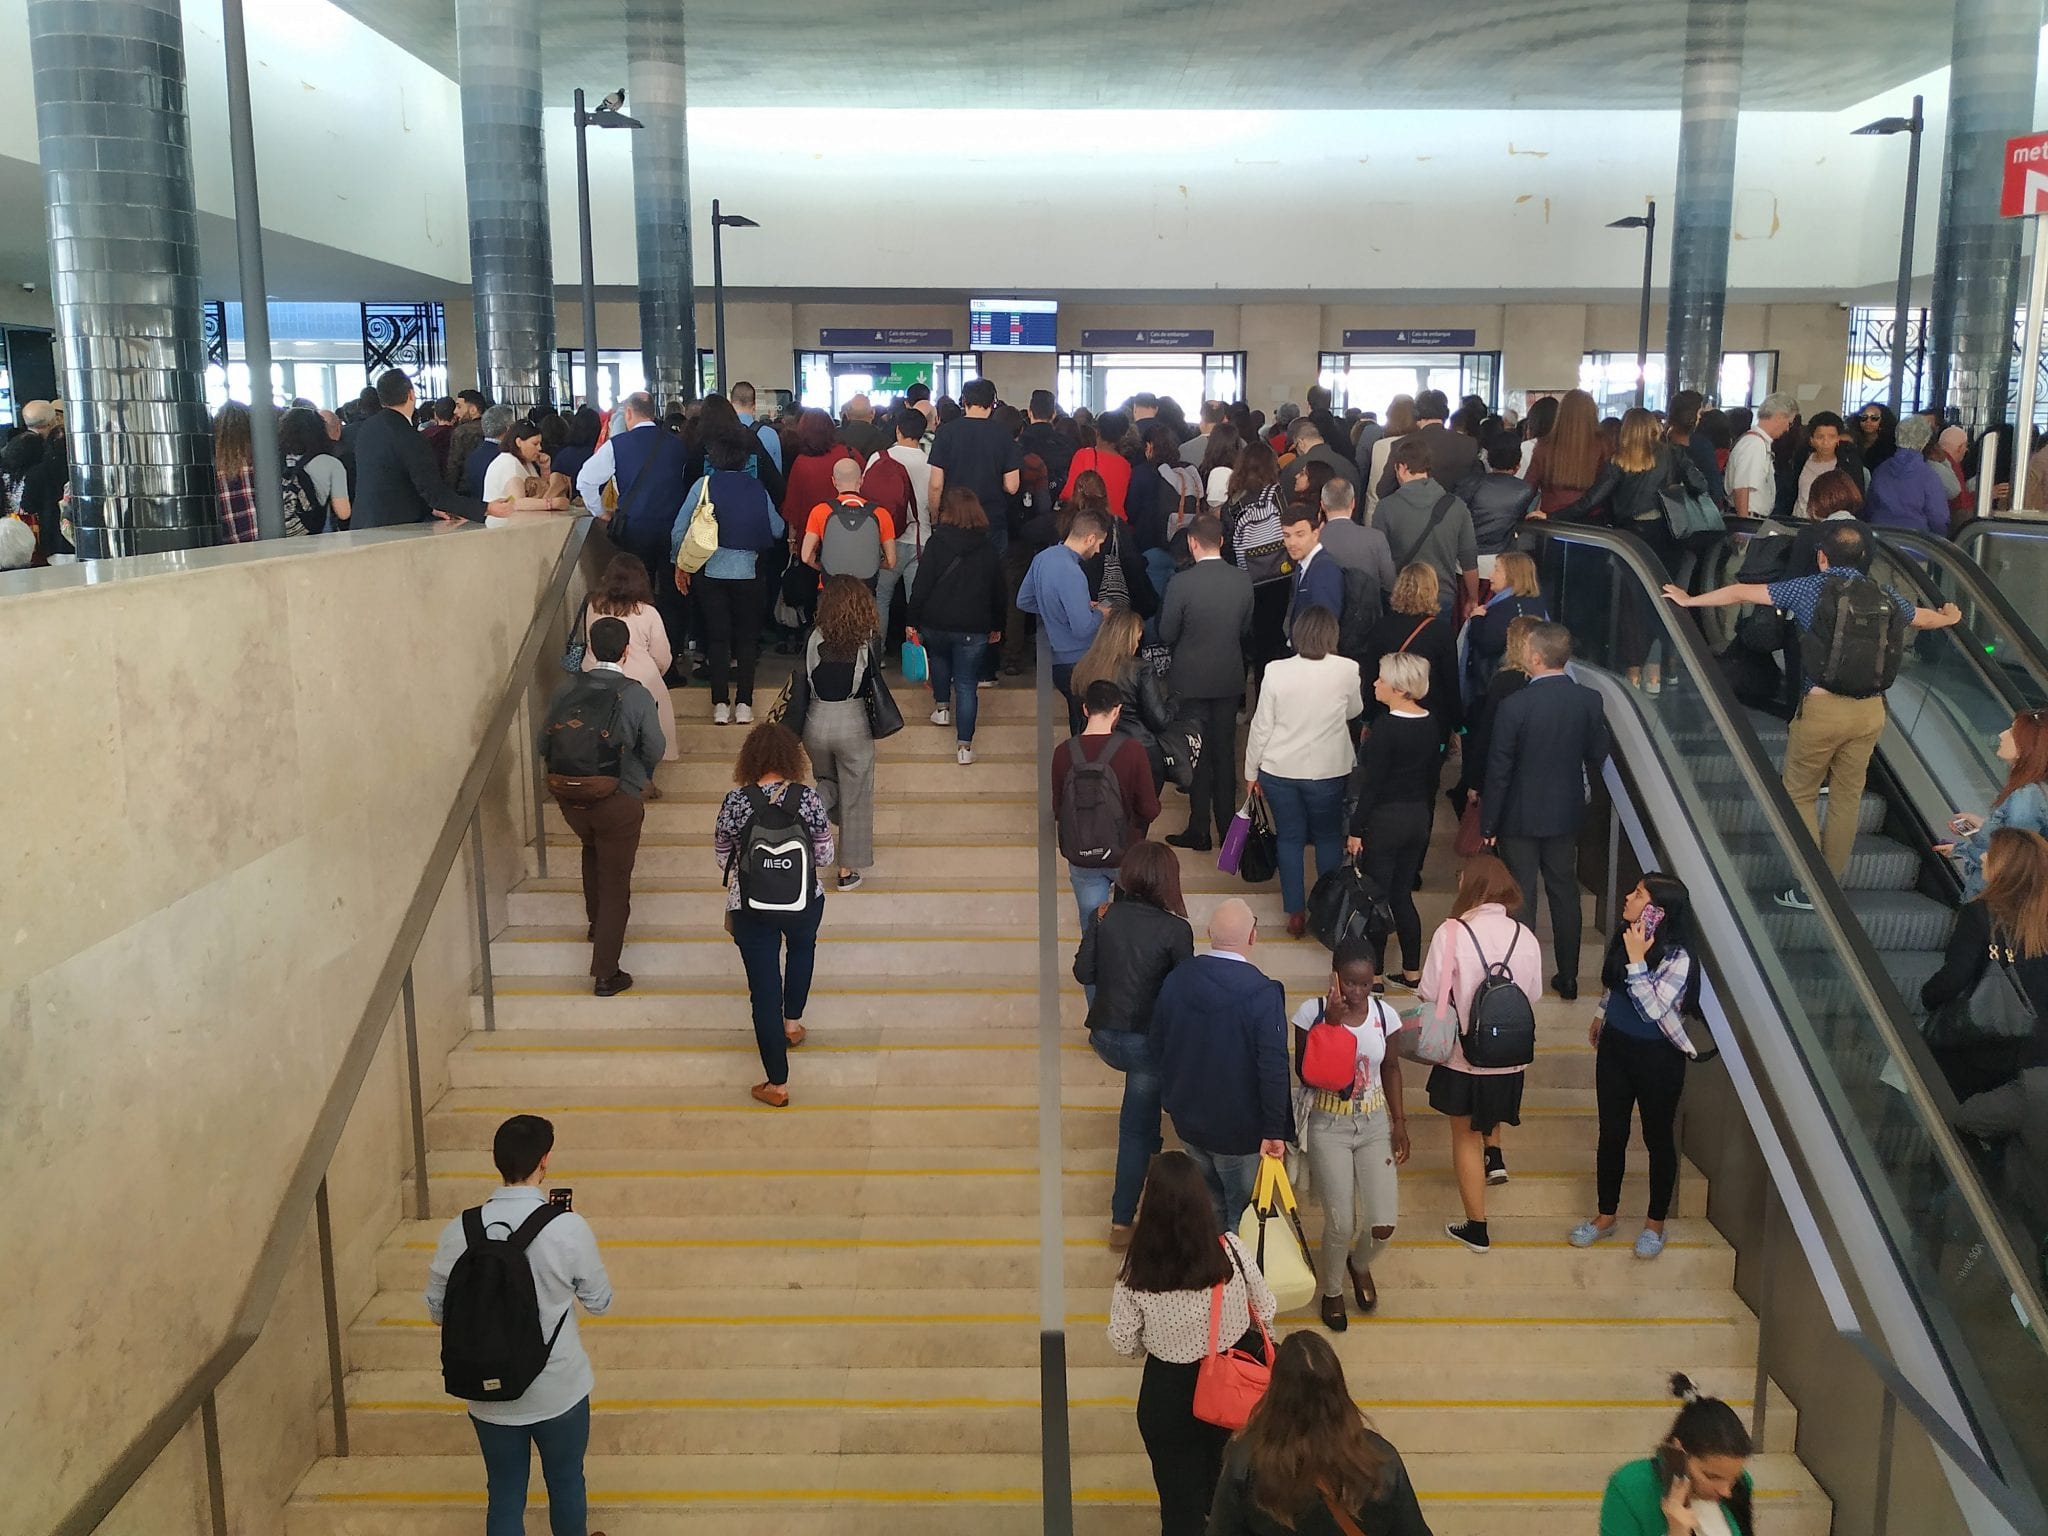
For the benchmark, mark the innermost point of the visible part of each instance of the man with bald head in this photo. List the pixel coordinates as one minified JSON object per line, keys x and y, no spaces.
{"x":849,"y":535}
{"x":1220,"y":1028}
{"x":35,"y":470}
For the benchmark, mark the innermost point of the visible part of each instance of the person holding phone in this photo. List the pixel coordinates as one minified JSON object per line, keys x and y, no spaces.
{"x":1696,"y":1483}
{"x":1641,"y":1047}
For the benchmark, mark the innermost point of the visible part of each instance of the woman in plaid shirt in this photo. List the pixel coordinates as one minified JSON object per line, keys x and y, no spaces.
{"x":1639,"y":1035}
{"x":234,"y":480}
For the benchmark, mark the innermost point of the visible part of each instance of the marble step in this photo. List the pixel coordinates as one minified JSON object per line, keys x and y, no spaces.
{"x":1016,"y":772}
{"x":962,"y":813}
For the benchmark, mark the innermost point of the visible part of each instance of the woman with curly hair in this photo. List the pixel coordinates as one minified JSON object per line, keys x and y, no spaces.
{"x":839,"y":660}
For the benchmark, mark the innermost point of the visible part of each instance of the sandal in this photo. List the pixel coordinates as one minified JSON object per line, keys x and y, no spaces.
{"x":1334,"y":1317}
{"x":794,"y":1035}
{"x":774,"y":1095}
{"x":1363,"y":1291}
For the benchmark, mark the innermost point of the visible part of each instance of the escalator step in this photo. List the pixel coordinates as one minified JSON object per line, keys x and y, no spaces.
{"x":1896,"y":920}
{"x":1877,"y":864}
{"x":1746,"y":814}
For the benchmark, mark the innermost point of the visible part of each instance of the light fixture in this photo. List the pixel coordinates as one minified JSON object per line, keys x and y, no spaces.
{"x":1647,"y":223}
{"x":607,"y":115}
{"x":721,"y":221}
{"x":1885,"y":127}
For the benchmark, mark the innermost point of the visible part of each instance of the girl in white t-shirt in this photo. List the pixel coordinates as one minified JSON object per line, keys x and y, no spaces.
{"x":1356,"y":1139}
{"x":515,"y":476}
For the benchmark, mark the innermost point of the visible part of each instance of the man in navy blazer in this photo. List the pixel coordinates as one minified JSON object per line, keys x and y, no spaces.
{"x":1549,"y":742}
{"x":1318,"y":578}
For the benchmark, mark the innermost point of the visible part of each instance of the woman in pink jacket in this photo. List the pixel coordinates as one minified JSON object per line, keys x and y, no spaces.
{"x":1478,"y":1100}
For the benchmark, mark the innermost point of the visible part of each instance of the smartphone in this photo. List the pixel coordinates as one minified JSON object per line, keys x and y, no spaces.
{"x":562,"y":1196}
{"x":1960,"y":825}
{"x":1653,"y":916}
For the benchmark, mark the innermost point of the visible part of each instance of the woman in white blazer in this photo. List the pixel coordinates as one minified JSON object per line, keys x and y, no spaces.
{"x":1300,"y":751}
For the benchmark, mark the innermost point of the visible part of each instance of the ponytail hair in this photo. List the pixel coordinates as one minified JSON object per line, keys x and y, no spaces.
{"x":1706,"y":1426}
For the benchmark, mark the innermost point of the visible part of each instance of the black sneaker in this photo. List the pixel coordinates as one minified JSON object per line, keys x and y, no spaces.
{"x":1471,"y":1233}
{"x":1496,"y":1166}
{"x":1192,"y":841}
{"x":850,"y":882}
{"x":1566,"y":987}
{"x":1795,"y":900}
{"x":614,"y":984}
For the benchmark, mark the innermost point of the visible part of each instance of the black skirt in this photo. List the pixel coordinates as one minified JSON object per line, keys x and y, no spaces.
{"x":1487,"y":1100}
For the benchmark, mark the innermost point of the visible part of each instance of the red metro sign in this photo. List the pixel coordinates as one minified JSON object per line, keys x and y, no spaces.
{"x":2026,"y":176}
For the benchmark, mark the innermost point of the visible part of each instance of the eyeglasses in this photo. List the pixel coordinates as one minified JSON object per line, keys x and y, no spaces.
{"x":1875,"y":421}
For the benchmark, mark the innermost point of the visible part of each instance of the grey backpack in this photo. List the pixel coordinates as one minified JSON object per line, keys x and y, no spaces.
{"x":852,"y":541}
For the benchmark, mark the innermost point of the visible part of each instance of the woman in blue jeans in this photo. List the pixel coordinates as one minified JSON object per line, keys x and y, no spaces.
{"x":771,"y":771}
{"x":1140,"y":934}
{"x":957,"y":606}
{"x":1299,"y":752}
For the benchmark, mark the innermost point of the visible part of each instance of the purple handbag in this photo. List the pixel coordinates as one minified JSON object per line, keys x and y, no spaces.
{"x":1231,"y":854}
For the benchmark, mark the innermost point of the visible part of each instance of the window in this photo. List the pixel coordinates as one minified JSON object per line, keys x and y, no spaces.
{"x":618,"y":375}
{"x":1610,"y":378}
{"x":827,"y":380}
{"x":1370,"y":380}
{"x":1101,"y":381}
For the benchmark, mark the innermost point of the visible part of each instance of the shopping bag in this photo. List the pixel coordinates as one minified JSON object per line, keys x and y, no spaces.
{"x":1239,"y":832}
{"x":1271,"y":1229}
{"x":1260,"y":861}
{"x":1470,"y":842}
{"x":916,"y":666}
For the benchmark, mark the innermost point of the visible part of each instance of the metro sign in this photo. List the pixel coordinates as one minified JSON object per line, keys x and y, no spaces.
{"x":2026,"y":176}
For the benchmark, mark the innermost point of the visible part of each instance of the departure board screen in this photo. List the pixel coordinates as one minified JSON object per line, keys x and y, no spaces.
{"x":1013,"y":325}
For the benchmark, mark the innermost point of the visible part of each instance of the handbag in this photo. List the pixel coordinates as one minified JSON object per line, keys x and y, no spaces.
{"x":1996,"y":1008}
{"x":1347,"y":903}
{"x":1180,"y":744}
{"x":1261,"y":858}
{"x":1471,"y":842}
{"x":1230,"y":1382}
{"x":700,"y":539}
{"x":1256,"y":541}
{"x":792,"y":706}
{"x":1115,"y":591}
{"x":884,"y":718}
{"x":916,"y":665}
{"x":573,"y":648}
{"x":1283,"y":1258}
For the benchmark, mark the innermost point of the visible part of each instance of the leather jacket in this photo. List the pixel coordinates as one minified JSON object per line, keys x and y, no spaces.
{"x":1125,"y":957}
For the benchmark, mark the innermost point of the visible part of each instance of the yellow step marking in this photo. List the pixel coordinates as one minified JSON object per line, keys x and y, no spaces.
{"x":841,"y":990}
{"x":845,"y":1244}
{"x":926,"y":1319}
{"x":750,"y":1049}
{"x":451,"y":1407}
{"x":568,"y":937}
{"x":743,"y":1109}
{"x":769,"y":1173}
{"x":475,"y":1498}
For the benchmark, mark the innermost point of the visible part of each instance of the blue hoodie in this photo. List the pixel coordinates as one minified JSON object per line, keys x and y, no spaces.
{"x":1220,"y":1027}
{"x":1056,"y":589}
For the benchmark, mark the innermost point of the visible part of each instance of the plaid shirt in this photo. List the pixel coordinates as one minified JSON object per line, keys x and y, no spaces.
{"x":237,"y":498}
{"x":1659,"y":994}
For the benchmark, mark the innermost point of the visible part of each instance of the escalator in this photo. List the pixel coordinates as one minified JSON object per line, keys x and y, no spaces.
{"x":1820,"y":1000}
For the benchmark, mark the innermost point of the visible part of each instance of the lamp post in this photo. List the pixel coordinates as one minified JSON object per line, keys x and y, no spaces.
{"x":607,"y":115}
{"x":1885,"y":127}
{"x":720,"y":222}
{"x":1647,"y":223}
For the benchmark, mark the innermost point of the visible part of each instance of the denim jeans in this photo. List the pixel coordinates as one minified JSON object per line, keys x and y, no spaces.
{"x":1305,"y":812}
{"x":561,"y":1442}
{"x":956,"y":662}
{"x":1230,"y":1177}
{"x":1092,"y":887}
{"x":1351,"y":1164}
{"x":777,"y":992}
{"x":1137,"y":1126}
{"x":887,"y":580}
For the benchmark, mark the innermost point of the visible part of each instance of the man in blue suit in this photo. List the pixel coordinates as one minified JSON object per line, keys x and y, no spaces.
{"x":1549,"y":744}
{"x":1318,"y":578}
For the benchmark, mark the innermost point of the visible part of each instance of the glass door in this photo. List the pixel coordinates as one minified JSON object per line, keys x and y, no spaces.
{"x":1371,"y":380}
{"x":1102,"y":381}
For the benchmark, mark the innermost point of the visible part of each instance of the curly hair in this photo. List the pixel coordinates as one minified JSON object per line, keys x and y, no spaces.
{"x":771,"y":748}
{"x":1415,"y":590}
{"x":847,"y":620}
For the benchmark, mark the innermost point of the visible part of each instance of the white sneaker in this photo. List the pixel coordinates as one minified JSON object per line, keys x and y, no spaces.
{"x":943,"y":715}
{"x":965,"y":754}
{"x":721,"y":714}
{"x":743,"y":713}
{"x":986,"y":682}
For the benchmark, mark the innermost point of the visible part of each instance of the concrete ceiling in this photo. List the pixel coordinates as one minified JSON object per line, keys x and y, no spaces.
{"x":1217,"y":53}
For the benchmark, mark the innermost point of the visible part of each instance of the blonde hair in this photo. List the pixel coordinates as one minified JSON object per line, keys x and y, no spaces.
{"x":1519,"y":630}
{"x":1405,"y":672}
{"x":1516,"y":572}
{"x":1110,"y":653}
{"x":1416,"y":590}
{"x":1640,"y":442}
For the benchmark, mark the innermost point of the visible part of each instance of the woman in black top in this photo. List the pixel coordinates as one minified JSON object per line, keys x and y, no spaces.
{"x":2009,"y":919}
{"x":1398,"y":769}
{"x":1141,"y":935}
{"x":1148,"y":705}
{"x":1411,"y":624}
{"x":1308,"y":1452}
{"x":1512,"y":677}
{"x":957,"y":606}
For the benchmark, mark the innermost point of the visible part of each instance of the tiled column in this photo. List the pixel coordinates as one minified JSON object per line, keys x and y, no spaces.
{"x":1704,"y":208}
{"x":661,"y":197}
{"x":116,"y":152}
{"x":511,"y":258}
{"x":1977,"y":253}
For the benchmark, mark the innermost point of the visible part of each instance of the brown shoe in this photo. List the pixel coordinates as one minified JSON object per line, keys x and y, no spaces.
{"x":1334,"y":1317}
{"x":1119,"y":1238}
{"x":773,"y":1095}
{"x":1362,"y":1289}
{"x":794,"y":1035}
{"x":653,"y":790}
{"x":1297,"y":924}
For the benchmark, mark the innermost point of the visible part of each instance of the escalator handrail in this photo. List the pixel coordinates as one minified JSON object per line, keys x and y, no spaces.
{"x":1843,"y":929}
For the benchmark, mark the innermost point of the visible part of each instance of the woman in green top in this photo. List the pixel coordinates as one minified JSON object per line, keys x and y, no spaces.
{"x":1696,"y":1484}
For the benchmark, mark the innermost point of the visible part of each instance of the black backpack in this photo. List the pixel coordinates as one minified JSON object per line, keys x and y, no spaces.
{"x":304,"y":512}
{"x":584,"y":745}
{"x":1347,"y":903}
{"x":492,"y":1347}
{"x":773,"y":857}
{"x":1857,"y":641}
{"x":1361,"y":612}
{"x":1094,"y":827}
{"x":1501,"y":1028}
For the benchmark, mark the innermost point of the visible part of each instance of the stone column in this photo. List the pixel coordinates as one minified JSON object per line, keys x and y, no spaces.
{"x":1977,"y":253}
{"x":504,"y":159}
{"x":1703,"y":211}
{"x":115,"y":143}
{"x":661,"y":198}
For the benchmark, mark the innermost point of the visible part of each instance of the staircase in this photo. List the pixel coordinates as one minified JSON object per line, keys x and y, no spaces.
{"x":826,"y":1316}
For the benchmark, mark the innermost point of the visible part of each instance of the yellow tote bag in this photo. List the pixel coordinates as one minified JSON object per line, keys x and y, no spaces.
{"x":1271,"y":1229}
{"x":700,"y":539}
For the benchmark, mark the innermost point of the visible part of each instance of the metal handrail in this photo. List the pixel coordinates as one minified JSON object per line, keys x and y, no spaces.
{"x":1830,"y":905}
{"x":307,"y":1188}
{"x":1056,"y":1469}
{"x":1975,"y":588}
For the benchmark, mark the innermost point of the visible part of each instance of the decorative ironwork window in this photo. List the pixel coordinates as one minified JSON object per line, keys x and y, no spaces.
{"x":213,"y":325}
{"x":1872,"y":335}
{"x":409,"y":336}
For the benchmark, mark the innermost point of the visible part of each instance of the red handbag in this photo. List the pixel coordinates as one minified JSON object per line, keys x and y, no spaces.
{"x":1230,"y":1382}
{"x":1471,"y":843}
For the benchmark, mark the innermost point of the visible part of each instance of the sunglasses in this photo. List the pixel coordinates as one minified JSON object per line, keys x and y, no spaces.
{"x":1875,"y":421}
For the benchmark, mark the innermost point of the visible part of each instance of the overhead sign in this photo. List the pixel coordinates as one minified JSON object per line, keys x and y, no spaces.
{"x":1114,"y":340}
{"x":897,"y":336}
{"x":2026,"y":176}
{"x":1411,"y":338}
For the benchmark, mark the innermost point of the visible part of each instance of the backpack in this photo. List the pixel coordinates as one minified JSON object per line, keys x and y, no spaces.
{"x":1255,"y":542}
{"x":1361,"y":613}
{"x":1189,"y":501}
{"x":774,"y":857}
{"x":1094,"y":826}
{"x":897,"y":495}
{"x":1328,"y":1058}
{"x":584,"y":753}
{"x":1857,"y":641}
{"x":1500,"y":1029}
{"x":304,"y":511}
{"x":492,"y":1347}
{"x":851,"y":544}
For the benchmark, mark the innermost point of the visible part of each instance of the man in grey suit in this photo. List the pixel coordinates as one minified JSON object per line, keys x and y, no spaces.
{"x":1351,"y":543}
{"x":1207,"y":624}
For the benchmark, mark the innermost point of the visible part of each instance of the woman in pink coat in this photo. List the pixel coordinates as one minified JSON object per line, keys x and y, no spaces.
{"x":1478,"y":1100}
{"x":623,"y":594}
